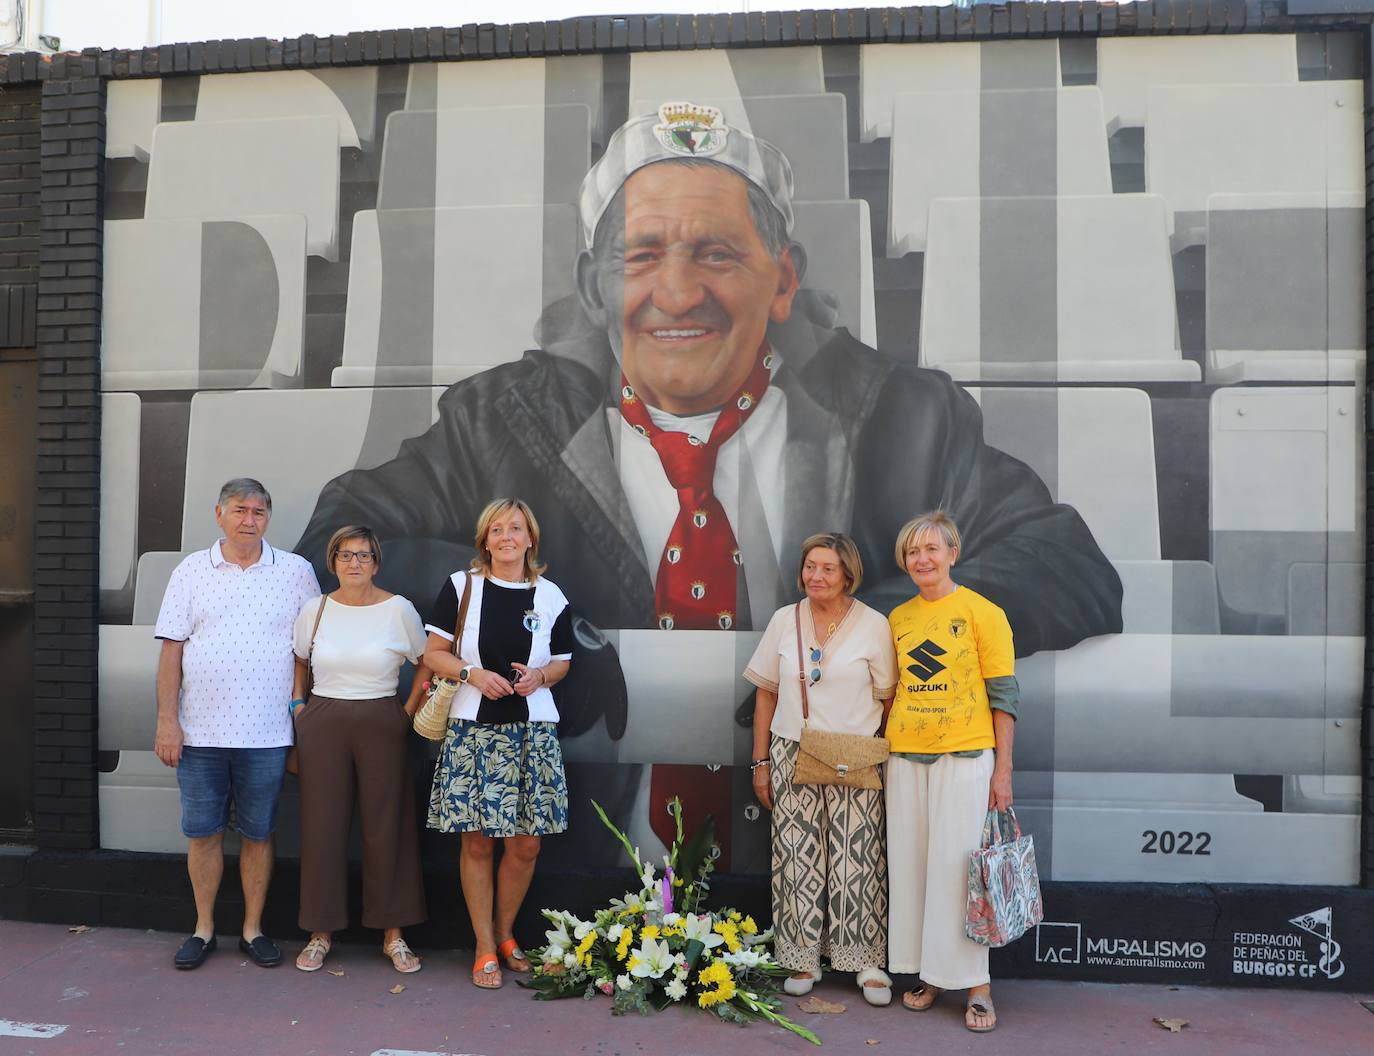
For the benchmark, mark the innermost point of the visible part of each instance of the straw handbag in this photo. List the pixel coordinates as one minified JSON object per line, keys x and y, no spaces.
{"x":825,"y":758}
{"x":431,"y":720}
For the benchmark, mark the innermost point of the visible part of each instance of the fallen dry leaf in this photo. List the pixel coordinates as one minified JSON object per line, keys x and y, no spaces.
{"x":80,"y":929}
{"x":398,"y":989}
{"x":870,"y":1041}
{"x":335,"y":971}
{"x":1173,"y":1026}
{"x":819,"y":1005}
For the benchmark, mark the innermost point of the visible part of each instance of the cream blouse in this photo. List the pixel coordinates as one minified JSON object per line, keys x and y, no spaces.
{"x":858,"y":671}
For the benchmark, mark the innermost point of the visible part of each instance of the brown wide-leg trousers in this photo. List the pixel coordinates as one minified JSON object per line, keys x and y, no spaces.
{"x":346,"y":745}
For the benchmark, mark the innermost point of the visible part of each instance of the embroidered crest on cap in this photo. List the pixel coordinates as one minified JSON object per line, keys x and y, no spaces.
{"x":691,"y":130}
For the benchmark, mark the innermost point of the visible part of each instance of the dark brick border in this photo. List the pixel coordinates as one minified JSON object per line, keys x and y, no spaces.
{"x":67,"y":547}
{"x":576,"y":36}
{"x":67,"y":550}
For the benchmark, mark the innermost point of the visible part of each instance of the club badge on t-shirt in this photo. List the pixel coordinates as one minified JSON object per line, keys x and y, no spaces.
{"x":531,"y":621}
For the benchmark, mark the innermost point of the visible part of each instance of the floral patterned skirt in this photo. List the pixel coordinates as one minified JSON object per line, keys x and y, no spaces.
{"x":502,"y":780}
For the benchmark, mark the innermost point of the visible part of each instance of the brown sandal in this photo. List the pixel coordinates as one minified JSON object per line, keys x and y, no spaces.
{"x":980,"y":1006}
{"x":920,"y":999}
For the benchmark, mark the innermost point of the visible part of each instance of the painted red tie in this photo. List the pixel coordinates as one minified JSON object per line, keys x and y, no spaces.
{"x":696,"y":586}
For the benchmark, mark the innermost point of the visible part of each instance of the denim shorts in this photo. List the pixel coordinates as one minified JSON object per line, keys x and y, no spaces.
{"x":211,"y":778}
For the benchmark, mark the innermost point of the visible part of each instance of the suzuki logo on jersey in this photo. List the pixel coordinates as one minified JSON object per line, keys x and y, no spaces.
{"x":926,"y":666}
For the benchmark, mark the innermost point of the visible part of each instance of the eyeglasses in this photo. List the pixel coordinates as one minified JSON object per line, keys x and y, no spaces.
{"x":817,"y":653}
{"x":363,"y":557}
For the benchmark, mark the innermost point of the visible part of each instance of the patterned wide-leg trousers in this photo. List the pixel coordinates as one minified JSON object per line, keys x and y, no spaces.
{"x":829,"y":871}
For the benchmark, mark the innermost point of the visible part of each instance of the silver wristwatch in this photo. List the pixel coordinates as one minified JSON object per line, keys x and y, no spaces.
{"x":466,"y":673}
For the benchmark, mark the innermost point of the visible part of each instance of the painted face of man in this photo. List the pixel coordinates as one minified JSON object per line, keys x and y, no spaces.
{"x":688,"y":289}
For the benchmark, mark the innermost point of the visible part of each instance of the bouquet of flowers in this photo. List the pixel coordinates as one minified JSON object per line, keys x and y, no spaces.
{"x":662,"y":945}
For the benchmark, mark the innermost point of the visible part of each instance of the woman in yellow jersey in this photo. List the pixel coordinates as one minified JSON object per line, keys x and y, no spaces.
{"x":951,"y":729}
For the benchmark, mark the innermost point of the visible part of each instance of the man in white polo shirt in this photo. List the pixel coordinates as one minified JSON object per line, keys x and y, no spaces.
{"x":224,"y":683}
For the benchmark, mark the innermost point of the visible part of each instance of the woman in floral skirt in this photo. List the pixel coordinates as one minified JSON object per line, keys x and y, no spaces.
{"x":500,"y":773}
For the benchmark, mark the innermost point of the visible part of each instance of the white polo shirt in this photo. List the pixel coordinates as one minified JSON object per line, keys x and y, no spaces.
{"x":238,"y":664}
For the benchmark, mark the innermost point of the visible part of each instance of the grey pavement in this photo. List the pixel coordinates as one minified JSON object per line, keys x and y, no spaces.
{"x":114,"y":991}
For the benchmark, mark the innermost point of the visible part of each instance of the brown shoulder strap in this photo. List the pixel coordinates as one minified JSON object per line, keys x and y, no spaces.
{"x":310,"y":656}
{"x":801,"y":666}
{"x":462,"y":613}
{"x":319,"y":615}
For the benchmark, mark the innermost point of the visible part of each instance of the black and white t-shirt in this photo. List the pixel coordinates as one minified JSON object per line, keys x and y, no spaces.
{"x":506,"y":623}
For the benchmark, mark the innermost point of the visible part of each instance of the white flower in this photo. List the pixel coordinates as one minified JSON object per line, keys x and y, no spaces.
{"x":652,"y":959}
{"x":671,"y":919}
{"x":697,"y":927}
{"x":582,"y":929}
{"x":570,"y":960}
{"x":648,"y":878}
{"x":629,"y":904}
{"x":677,"y":989}
{"x":745,"y":958}
{"x":559,"y":942}
{"x":623,"y":981}
{"x":614,"y":931}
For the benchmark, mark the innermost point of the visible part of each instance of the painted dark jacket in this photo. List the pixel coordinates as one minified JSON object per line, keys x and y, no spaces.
{"x":870,"y":443}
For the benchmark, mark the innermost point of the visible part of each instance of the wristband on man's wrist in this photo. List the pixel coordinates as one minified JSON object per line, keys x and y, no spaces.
{"x":757,"y":763}
{"x":295,"y":703}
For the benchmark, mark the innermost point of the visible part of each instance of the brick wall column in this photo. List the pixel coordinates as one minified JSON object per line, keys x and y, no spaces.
{"x":67,"y":543}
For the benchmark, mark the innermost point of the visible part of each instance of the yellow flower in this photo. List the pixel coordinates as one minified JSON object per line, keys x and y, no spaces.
{"x":650,"y":932}
{"x":588,"y":941}
{"x":734,"y":916}
{"x":631,"y":963}
{"x":677,"y":881}
{"x":627,"y":938}
{"x":730,"y":933}
{"x":749,"y":927}
{"x":671,"y":929}
{"x":717,"y":976}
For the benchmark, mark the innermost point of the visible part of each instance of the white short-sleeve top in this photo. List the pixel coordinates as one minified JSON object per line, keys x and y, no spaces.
{"x":236,"y":664}
{"x":858,"y":671}
{"x":359,"y":649}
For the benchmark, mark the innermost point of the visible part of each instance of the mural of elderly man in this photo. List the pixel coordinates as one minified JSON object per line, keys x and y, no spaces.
{"x":692,"y":422}
{"x":224,"y":682}
{"x":690,"y":419}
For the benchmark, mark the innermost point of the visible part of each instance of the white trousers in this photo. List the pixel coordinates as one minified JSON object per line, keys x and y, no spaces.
{"x":935,"y":815}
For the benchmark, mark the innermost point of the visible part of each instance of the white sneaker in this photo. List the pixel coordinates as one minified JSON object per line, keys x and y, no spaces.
{"x":800,"y":986}
{"x":878,"y":996}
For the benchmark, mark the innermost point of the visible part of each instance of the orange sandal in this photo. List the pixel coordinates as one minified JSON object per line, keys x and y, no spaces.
{"x":511,"y":953}
{"x":486,"y":972}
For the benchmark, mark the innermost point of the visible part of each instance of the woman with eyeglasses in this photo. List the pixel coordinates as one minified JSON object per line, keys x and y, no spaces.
{"x":351,"y":739}
{"x":829,"y":878}
{"x":951,"y":730}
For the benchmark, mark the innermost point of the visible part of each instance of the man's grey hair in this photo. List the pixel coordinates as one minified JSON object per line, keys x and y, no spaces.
{"x":244,"y":488}
{"x":768,"y":222}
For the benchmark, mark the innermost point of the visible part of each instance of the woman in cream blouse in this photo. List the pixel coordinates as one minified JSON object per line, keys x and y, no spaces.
{"x":851,"y":673}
